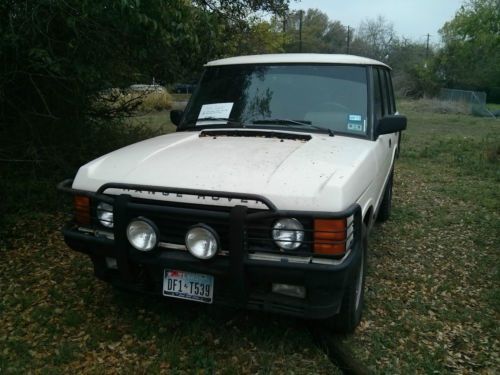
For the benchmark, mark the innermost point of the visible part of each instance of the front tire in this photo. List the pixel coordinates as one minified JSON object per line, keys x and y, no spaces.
{"x":351,"y":309}
{"x":384,"y":211}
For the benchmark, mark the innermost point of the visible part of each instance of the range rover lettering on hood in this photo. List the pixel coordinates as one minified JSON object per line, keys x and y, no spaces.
{"x":205,"y":199}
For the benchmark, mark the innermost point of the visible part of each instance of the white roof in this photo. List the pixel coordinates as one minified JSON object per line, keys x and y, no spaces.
{"x":299,"y":58}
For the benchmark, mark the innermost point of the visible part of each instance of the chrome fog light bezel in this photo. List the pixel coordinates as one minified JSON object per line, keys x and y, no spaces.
{"x":203,"y":229}
{"x":295,"y":226}
{"x":147,"y":225}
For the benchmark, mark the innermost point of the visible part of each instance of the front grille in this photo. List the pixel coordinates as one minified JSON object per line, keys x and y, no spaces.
{"x":258,"y":235}
{"x":173,"y":225}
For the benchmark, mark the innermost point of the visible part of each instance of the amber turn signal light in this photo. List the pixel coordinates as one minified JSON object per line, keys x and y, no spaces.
{"x":81,"y":204}
{"x":330,"y":236}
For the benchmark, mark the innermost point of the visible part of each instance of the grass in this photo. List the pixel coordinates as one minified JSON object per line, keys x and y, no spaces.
{"x":438,"y":106}
{"x":432,"y":300}
{"x":450,"y":107}
{"x":76,"y":323}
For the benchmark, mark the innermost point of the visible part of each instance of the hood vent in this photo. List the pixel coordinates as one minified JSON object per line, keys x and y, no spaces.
{"x":255,"y":134}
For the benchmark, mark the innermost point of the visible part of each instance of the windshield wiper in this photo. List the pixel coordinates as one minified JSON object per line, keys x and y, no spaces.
{"x":228,"y":120}
{"x":285,"y":121}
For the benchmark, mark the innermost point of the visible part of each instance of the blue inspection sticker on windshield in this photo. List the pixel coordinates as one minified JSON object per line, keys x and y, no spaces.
{"x":355,"y":123}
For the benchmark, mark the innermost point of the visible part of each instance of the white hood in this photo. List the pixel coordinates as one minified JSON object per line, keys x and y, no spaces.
{"x":315,"y":174}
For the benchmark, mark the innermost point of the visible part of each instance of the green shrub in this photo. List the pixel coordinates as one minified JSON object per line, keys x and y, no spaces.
{"x":28,"y":182}
{"x":156,"y":101}
{"x":137,"y":100}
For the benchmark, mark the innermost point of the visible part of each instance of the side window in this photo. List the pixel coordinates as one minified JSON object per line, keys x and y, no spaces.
{"x":390,"y":92}
{"x":379,"y":109}
{"x":385,"y":92}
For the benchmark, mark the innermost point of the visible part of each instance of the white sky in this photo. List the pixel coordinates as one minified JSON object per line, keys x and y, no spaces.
{"x":411,"y":18}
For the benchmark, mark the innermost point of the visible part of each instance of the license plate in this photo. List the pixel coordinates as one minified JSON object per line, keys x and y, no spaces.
{"x":187,"y":285}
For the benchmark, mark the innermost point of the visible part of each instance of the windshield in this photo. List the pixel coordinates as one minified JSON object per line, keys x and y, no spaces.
{"x":312,"y":97}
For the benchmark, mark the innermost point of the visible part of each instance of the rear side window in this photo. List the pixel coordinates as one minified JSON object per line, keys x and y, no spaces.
{"x":383,"y":93}
{"x":385,"y":96}
{"x":377,"y":95}
{"x":390,"y":92}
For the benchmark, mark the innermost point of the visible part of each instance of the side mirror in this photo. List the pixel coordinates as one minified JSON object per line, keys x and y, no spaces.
{"x":391,"y":124}
{"x":176,"y":116}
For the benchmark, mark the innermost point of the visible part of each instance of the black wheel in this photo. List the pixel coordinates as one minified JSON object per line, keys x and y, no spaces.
{"x":384,"y":211}
{"x":350,"y":312}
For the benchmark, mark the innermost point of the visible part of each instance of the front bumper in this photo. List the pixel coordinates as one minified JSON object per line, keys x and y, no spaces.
{"x":241,"y":278}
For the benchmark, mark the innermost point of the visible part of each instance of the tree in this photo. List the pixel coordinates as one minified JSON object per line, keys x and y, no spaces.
{"x":240,"y":10}
{"x":336,"y":37}
{"x":58,"y":57}
{"x":259,"y":37}
{"x":470,"y":57}
{"x":240,"y":29}
{"x":319,"y":33}
{"x":413,"y":64}
{"x":61,"y":54}
{"x":375,"y":38}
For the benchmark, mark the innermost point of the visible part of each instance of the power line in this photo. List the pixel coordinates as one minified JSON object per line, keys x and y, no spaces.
{"x":301,"y":13}
{"x":348,"y":39}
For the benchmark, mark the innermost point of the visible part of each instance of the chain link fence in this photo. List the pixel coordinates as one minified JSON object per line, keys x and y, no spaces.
{"x":474,"y":101}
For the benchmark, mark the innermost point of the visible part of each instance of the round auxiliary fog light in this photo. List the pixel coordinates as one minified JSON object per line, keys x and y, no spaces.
{"x":142,"y":234}
{"x":288,"y":234}
{"x":202,"y":241}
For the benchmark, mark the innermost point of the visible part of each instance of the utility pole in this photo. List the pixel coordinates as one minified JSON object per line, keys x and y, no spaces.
{"x":301,"y":13}
{"x":348,"y":39}
{"x":427,"y":47}
{"x":284,"y":31}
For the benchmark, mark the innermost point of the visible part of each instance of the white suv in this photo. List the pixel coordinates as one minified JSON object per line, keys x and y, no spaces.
{"x":264,"y":196}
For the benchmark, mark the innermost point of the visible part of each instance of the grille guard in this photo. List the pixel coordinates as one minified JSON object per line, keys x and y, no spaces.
{"x":239,"y":218}
{"x":250,"y":216}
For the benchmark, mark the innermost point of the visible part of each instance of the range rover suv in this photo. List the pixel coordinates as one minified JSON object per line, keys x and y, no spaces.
{"x":262,"y":199}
